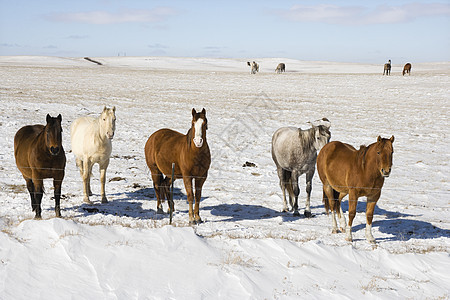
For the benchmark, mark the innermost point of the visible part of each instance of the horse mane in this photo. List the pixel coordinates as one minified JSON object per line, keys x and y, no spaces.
{"x":362,"y":153}
{"x":189,"y":136}
{"x":306,"y":137}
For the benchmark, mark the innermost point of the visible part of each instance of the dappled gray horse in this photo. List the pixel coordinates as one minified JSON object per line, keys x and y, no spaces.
{"x":255,"y":67}
{"x":294,"y":152}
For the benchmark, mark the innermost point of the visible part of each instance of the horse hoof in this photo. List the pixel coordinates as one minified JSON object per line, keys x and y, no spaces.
{"x":296,"y":213}
{"x":334,"y":231}
{"x":308,"y":214}
{"x":37,"y":217}
{"x":195,"y":222}
{"x":104,"y":200}
{"x":86,"y":200}
{"x":160,"y":211}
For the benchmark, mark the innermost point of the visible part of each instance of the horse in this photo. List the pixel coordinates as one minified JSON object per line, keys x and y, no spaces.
{"x":344,"y":170}
{"x":294,"y":152}
{"x":91,"y":140}
{"x":254,"y":67}
{"x":280,"y":68}
{"x":192,"y":158}
{"x":387,"y":68}
{"x":407,"y":69}
{"x":39,"y":154}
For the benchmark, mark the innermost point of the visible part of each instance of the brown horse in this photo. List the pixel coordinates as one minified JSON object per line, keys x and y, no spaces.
{"x":407,"y":69}
{"x":344,"y":170}
{"x":191,"y":155}
{"x":387,"y":68}
{"x":39,"y":154}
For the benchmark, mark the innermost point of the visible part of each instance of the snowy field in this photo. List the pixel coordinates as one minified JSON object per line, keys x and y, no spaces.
{"x":246,"y":248}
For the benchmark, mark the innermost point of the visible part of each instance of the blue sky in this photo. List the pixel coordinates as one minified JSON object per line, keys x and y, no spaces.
{"x":359,"y":31}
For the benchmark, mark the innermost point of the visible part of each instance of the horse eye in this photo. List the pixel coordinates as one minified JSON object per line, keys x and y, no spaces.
{"x":378,"y":152}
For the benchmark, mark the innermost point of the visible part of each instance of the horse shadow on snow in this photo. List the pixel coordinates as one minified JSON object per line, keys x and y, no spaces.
{"x":397,"y":224}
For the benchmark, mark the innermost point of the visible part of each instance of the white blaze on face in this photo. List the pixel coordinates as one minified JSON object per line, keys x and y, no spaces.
{"x":198,"y":140}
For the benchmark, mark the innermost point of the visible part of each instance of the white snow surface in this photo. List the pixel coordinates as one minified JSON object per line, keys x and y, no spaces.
{"x":246,"y":248}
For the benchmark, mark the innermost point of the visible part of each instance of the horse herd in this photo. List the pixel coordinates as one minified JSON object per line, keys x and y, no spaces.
{"x":171,"y":155}
{"x":282,"y":68}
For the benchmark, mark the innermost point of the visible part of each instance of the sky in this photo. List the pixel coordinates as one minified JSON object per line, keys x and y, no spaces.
{"x":332,"y":30}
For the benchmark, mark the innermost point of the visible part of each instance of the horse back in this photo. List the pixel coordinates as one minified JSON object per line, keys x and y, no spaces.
{"x":162,"y":149}
{"x":336,"y":164}
{"x":23,"y":141}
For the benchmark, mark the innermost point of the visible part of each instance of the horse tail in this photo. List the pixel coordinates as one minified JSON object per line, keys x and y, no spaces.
{"x":334,"y":201}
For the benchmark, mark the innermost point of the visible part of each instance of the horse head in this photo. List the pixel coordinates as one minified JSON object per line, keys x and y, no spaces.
{"x":108,"y":122}
{"x":199,"y":126}
{"x":321,"y":132}
{"x":53,"y":136}
{"x":384,"y":155}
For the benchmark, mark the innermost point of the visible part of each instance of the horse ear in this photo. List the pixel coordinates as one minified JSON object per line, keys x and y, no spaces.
{"x":114,"y":109}
{"x":392,"y":139}
{"x":204,"y":111}
{"x":48,"y":118}
{"x":379,"y":139}
{"x":104,"y":108}
{"x":59,"y":117}
{"x":194,"y":112}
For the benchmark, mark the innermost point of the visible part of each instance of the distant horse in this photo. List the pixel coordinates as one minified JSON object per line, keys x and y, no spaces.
{"x":39,"y":154}
{"x":344,"y":170}
{"x":294,"y":152}
{"x":407,"y":69}
{"x":254,"y":67}
{"x":387,"y":68}
{"x":191,"y":155}
{"x":280,"y":68}
{"x":91,"y":143}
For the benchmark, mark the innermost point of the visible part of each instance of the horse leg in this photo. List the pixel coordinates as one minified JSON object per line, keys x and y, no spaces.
{"x":30,"y":187}
{"x":283,"y":182}
{"x":57,"y":183}
{"x":38,"y":193}
{"x":309,"y":176}
{"x":87,"y":169}
{"x":157,"y":178}
{"x":80,"y":166}
{"x":296,"y":191}
{"x":340,"y":213}
{"x":103,"y":166}
{"x":329,"y":203}
{"x":190,"y":196}
{"x":371,"y":202}
{"x":352,"y":202}
{"x":198,"y":196}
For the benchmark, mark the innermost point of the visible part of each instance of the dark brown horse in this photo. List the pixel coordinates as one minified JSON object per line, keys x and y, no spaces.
{"x":189,"y":152}
{"x":407,"y":69}
{"x":39,"y":154}
{"x":344,"y":170}
{"x":387,"y":68}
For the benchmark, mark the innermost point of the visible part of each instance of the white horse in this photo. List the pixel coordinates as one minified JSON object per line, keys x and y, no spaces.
{"x":91,"y":143}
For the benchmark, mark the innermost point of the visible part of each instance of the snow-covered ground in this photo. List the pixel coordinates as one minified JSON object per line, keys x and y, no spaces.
{"x":246,"y":248}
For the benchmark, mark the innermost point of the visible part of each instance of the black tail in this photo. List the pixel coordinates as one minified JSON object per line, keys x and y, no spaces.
{"x":335,"y":203}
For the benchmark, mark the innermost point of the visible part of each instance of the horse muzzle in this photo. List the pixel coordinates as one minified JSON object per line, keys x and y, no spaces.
{"x":110,"y":135}
{"x":54,"y":150}
{"x":385,"y":173}
{"x":198,"y":142}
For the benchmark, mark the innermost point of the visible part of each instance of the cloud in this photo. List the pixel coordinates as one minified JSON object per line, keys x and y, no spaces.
{"x":158,"y":14}
{"x":360,"y":15}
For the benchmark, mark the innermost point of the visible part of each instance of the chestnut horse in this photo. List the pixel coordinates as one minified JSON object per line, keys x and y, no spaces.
{"x":191,"y":155}
{"x":407,"y":69}
{"x":39,"y":154}
{"x":344,"y":170}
